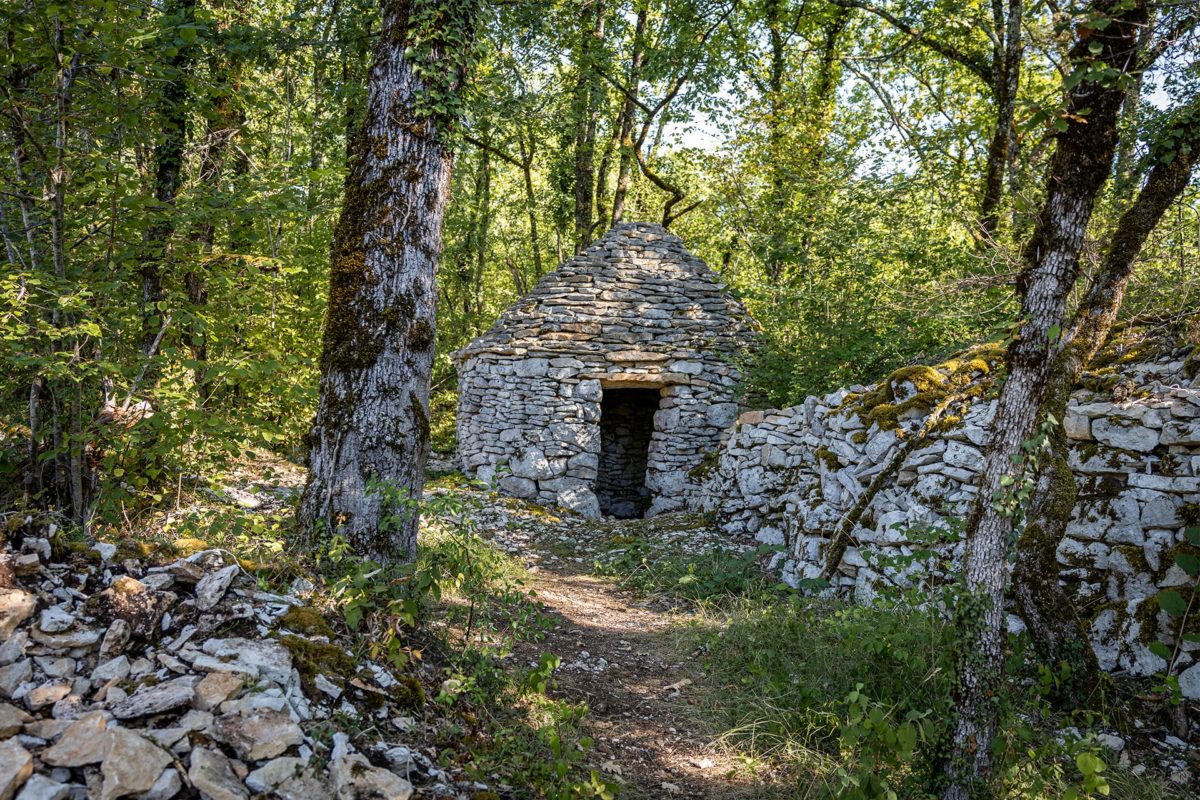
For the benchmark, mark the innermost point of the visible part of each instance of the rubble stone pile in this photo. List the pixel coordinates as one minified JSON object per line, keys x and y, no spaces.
{"x":119,"y":679}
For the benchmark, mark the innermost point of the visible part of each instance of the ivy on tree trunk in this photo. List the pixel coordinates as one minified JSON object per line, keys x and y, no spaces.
{"x":1078,"y":170}
{"x":1050,"y":616}
{"x":372,"y":428}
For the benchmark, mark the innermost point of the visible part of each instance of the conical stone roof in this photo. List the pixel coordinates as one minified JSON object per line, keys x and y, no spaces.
{"x":636,"y":291}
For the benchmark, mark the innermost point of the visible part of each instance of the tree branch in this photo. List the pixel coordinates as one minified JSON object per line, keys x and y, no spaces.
{"x":980,"y":67}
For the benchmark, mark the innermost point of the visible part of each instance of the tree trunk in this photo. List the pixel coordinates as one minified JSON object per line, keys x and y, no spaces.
{"x":626,"y":118}
{"x":820,"y":104}
{"x":168,"y":170}
{"x":221,"y":127}
{"x":370,"y":439}
{"x":531,"y":203}
{"x":587,"y":113}
{"x":1077,"y":171}
{"x":481,"y":233}
{"x":1050,"y":616}
{"x":777,"y":239}
{"x":1006,"y":75}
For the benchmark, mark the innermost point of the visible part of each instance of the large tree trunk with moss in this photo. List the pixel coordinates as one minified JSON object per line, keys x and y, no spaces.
{"x":1050,"y":616}
{"x":1079,"y":168}
{"x":370,"y":439}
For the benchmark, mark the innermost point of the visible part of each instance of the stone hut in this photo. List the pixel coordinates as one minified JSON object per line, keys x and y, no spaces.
{"x":603,"y":389}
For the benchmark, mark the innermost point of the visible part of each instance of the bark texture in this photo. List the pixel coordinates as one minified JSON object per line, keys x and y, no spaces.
{"x":1079,"y":168}
{"x":168,"y":173}
{"x":628,"y":114}
{"x":1052,"y":620}
{"x":1006,"y":75}
{"x":377,"y":353}
{"x":588,"y":97}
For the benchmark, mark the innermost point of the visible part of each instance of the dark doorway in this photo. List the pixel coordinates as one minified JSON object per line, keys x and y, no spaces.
{"x":626,"y":425}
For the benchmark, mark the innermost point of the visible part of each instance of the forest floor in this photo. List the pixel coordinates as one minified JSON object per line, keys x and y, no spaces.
{"x":621,"y":651}
{"x":624,"y":654}
{"x":690,"y":678}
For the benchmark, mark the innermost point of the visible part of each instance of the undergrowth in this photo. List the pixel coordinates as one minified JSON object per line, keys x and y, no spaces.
{"x":821,"y":697}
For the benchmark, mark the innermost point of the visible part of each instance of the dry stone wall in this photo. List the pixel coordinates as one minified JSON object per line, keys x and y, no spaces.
{"x":795,"y":476}
{"x":635,"y":310}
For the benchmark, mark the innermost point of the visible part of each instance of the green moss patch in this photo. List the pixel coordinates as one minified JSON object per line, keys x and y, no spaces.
{"x":306,"y":620}
{"x":318,"y":658}
{"x":884,"y":406}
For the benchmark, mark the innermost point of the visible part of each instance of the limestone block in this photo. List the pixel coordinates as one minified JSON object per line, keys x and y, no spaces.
{"x":531,"y":367}
{"x":581,"y":435}
{"x":1117,"y":432}
{"x":721,"y":415}
{"x":1181,"y":432}
{"x":1160,"y":510}
{"x":1166,"y":483}
{"x":1077,"y":426}
{"x":880,"y":444}
{"x":964,"y":457}
{"x":666,"y":419}
{"x":579,"y":499}
{"x":588,"y":391}
{"x":533,"y":464}
{"x":583,"y":462}
{"x":518,"y":487}
{"x":1189,"y":682}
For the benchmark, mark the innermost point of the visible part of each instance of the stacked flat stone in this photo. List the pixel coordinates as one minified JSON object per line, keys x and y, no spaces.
{"x":792,"y":476}
{"x":634,"y":310}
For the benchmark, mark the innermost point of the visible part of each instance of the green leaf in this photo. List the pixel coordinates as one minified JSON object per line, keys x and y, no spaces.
{"x":1172,"y":602}
{"x":1193,"y":535}
{"x":1159,"y":649}
{"x":1089,"y":763}
{"x":1188,"y":563}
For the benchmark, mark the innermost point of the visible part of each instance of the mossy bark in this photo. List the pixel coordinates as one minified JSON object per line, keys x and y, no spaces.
{"x":1051,"y":617}
{"x":1077,"y":171}
{"x":168,"y":171}
{"x":372,"y":425}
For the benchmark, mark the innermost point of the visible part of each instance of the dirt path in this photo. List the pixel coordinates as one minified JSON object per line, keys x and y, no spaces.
{"x":620,"y":656}
{"x":620,"y":652}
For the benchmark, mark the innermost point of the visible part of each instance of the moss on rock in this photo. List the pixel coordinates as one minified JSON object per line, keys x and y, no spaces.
{"x":306,"y":620}
{"x":318,"y":658}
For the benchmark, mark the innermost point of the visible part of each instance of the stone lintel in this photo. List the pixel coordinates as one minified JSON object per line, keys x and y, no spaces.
{"x":638,"y":380}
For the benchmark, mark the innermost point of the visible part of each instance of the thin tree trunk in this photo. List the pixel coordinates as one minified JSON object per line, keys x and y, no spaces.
{"x":1080,"y":166}
{"x":530,"y":203}
{"x":17,"y":85}
{"x":1006,"y":75}
{"x":1125,"y":171}
{"x":777,"y":239}
{"x":626,"y":119}
{"x":481,"y":234}
{"x":372,"y":428}
{"x":602,"y":176}
{"x":222,"y":125}
{"x":587,"y":111}
{"x":821,"y":104}
{"x":1050,"y":616}
{"x":168,"y":172}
